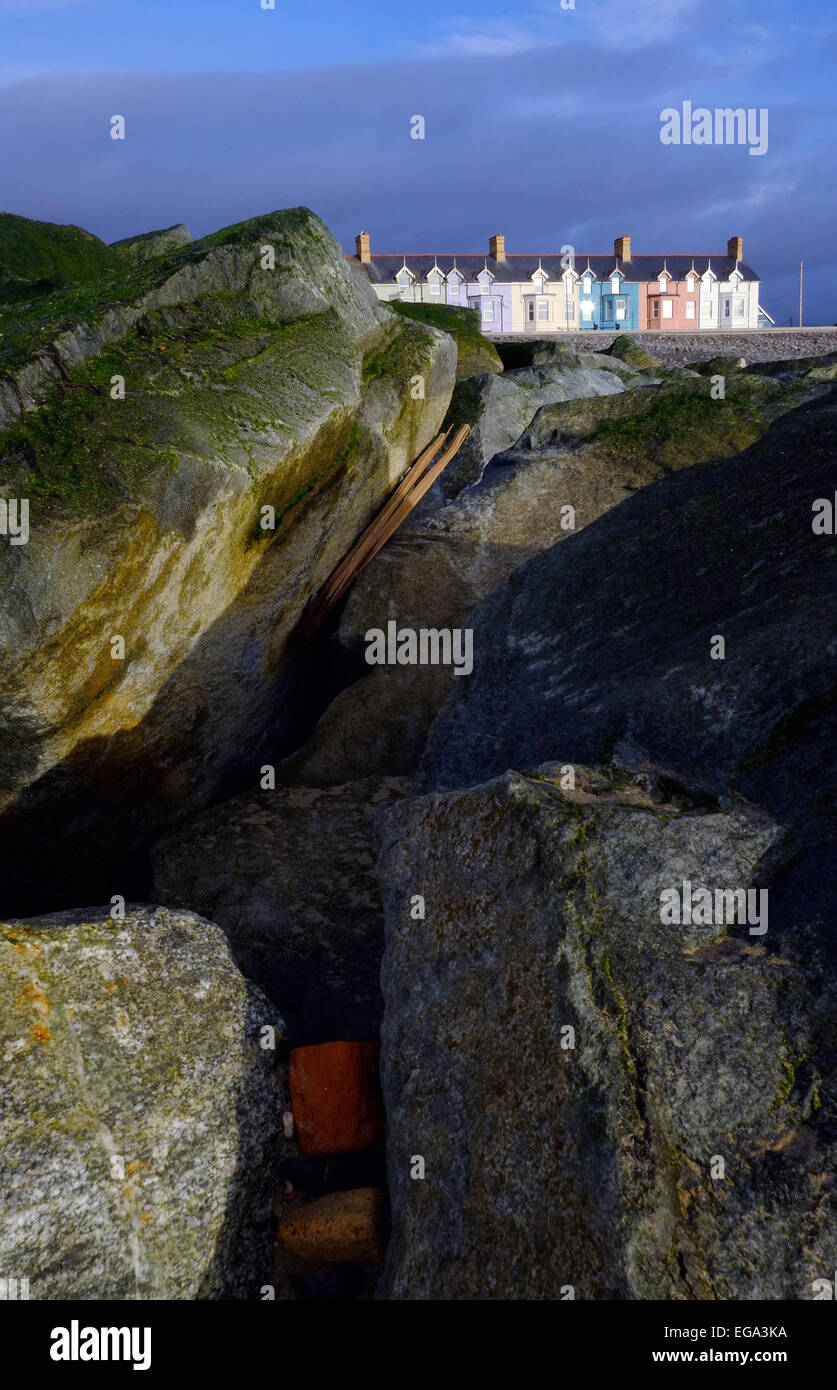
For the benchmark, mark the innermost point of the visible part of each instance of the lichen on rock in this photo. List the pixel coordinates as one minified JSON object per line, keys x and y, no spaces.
{"x":140,"y":1111}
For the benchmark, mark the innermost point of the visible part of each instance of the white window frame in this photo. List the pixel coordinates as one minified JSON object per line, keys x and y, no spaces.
{"x":543,"y":311}
{"x":690,"y":308}
{"x":668,"y":309}
{"x":614,"y":284}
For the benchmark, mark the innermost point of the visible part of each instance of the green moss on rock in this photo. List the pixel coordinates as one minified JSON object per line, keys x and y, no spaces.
{"x":39,"y":257}
{"x":476,"y":353}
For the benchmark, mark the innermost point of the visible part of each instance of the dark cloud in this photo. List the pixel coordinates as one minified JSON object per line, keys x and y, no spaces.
{"x":550,"y":146}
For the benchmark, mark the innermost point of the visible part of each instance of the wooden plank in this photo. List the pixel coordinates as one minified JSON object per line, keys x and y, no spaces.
{"x":412,"y":475}
{"x":417,"y":481}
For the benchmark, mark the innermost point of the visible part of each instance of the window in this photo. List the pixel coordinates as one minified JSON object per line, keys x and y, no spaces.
{"x":738,"y":307}
{"x":530,"y":310}
{"x":488,"y":311}
{"x":586,"y":310}
{"x":690,"y":285}
{"x":587,"y":286}
{"x":543,"y":309}
{"x":621,"y":308}
{"x":614,"y":284}
{"x":607,"y":311}
{"x":726,"y":308}
{"x":690,"y":309}
{"x":434,"y":286}
{"x":655,"y":312}
{"x":667,"y":309}
{"x":663,"y":284}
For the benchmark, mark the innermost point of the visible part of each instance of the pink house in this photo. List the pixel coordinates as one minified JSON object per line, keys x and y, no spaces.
{"x":672,"y":301}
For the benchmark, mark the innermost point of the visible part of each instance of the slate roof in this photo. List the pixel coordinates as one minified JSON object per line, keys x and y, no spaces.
{"x":516,"y":268}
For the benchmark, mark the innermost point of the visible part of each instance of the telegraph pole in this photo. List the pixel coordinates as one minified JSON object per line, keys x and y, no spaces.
{"x":800,"y":294}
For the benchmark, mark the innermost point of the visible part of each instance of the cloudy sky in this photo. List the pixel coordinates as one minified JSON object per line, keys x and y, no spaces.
{"x":542,"y":122}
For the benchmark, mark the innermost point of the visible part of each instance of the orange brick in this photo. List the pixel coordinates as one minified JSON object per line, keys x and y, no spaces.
{"x":336,"y":1103}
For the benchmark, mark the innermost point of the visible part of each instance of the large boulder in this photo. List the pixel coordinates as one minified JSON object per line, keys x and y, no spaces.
{"x":577,"y":460}
{"x":607,"y":1106}
{"x":267,"y":413}
{"x":608,"y":645}
{"x":139,"y":1113}
{"x":499,"y":408}
{"x":289,"y":875}
{"x":680,"y":1146}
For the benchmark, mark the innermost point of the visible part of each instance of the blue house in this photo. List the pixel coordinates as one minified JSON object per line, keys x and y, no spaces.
{"x":607,"y":298}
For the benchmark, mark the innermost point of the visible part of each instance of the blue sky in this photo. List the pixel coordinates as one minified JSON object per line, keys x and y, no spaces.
{"x":541,"y":122}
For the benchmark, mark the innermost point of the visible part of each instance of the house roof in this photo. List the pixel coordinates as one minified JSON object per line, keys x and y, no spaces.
{"x":383,"y":269}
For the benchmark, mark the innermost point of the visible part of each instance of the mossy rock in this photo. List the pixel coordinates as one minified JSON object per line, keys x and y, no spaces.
{"x":148,"y":245}
{"x":629,"y":350}
{"x":718,"y":366}
{"x":822,"y":368}
{"x":37,"y":258}
{"x":476,"y":354}
{"x":201,"y":437}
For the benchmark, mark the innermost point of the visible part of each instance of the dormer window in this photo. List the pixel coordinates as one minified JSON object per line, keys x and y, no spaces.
{"x":588,"y":285}
{"x":435,"y":283}
{"x":663,"y":284}
{"x":614,"y":284}
{"x":690,"y":284}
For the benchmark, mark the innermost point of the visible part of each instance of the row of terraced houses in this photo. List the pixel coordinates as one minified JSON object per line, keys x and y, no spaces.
{"x":556,"y":293}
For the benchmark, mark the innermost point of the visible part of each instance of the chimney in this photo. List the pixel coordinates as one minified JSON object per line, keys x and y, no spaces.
{"x":622,"y":248}
{"x":497,"y":248}
{"x":735,"y":248}
{"x":362,"y":246}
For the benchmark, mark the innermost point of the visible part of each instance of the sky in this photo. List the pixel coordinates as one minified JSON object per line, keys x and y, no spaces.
{"x":541,"y":121}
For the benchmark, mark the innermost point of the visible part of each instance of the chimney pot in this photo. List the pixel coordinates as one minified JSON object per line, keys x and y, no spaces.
{"x":735,"y":248}
{"x":622,"y":248}
{"x":497,"y":247}
{"x":362,"y":246}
